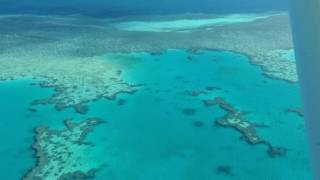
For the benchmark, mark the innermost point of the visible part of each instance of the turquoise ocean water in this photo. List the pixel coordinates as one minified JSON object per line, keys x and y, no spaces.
{"x":164,"y":132}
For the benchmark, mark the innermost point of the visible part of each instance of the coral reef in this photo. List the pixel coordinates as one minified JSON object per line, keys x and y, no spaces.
{"x":204,"y":91}
{"x":32,"y":110}
{"x":219,"y":101}
{"x":122,"y":102}
{"x":196,"y":92}
{"x":198,"y":123}
{"x":75,"y":81}
{"x":244,"y":127}
{"x":276,"y":66}
{"x":234,"y":119}
{"x":225,"y":170}
{"x":212,"y":88}
{"x":64,"y":154}
{"x":297,"y":111}
{"x":189,"y":111}
{"x":61,"y":40}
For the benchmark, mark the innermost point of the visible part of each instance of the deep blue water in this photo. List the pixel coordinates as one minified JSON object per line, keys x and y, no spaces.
{"x":141,"y":7}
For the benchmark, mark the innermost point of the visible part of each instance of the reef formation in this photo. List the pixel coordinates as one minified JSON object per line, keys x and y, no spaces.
{"x":67,"y":54}
{"x":297,"y":111}
{"x":54,"y":40}
{"x":235,"y":119}
{"x":64,"y":154}
{"x":76,"y":81}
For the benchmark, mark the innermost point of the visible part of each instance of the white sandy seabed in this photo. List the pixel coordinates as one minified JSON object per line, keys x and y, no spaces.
{"x":188,"y":24}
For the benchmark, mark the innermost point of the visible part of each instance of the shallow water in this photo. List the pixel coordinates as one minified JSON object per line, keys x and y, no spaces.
{"x":187,"y":24}
{"x":164,"y":131}
{"x":17,"y":124}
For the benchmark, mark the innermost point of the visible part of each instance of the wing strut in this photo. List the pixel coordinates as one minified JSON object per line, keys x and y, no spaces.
{"x":305,"y":20}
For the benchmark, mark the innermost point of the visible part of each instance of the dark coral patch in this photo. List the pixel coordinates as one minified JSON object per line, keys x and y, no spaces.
{"x":225,"y":170}
{"x":209,"y":102}
{"x":198,"y":124}
{"x":297,"y":111}
{"x":277,"y":151}
{"x":81,"y":109}
{"x":121,"y":102}
{"x":189,"y":111}
{"x":32,"y":110}
{"x":195,"y":93}
{"x":211,"y":88}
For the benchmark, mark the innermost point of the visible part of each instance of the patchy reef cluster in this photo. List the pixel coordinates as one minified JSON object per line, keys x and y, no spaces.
{"x":235,"y":119}
{"x":76,"y":80}
{"x":64,"y":154}
{"x":72,"y":37}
